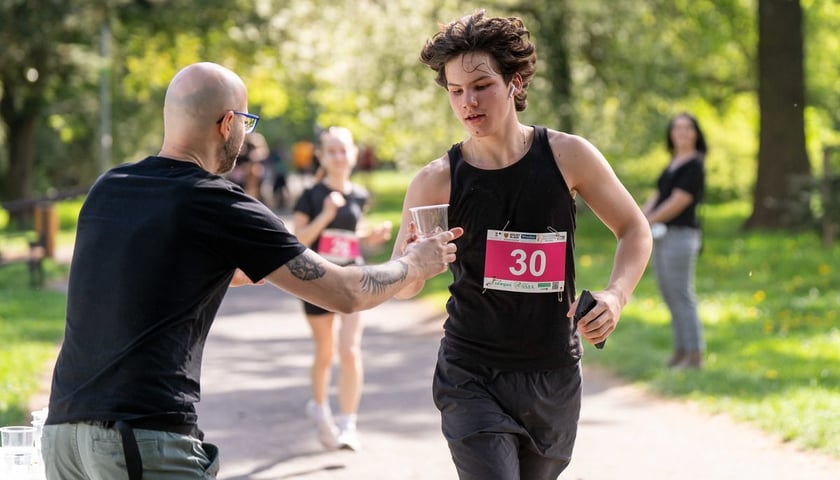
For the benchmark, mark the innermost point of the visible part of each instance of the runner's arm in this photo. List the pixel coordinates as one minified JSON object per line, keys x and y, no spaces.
{"x":588,"y":173}
{"x":429,"y":187}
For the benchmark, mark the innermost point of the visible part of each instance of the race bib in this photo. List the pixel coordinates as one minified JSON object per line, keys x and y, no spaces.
{"x":339,"y":246}
{"x":525,"y":262}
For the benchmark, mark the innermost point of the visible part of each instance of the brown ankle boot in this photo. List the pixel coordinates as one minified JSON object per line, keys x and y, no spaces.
{"x":677,"y":357}
{"x":692,"y":361}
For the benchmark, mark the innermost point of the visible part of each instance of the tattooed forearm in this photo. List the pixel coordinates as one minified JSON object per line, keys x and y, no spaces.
{"x":375,"y":279}
{"x":306,"y":267}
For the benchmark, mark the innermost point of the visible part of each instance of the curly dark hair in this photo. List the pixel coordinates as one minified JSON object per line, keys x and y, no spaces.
{"x":505,"y":40}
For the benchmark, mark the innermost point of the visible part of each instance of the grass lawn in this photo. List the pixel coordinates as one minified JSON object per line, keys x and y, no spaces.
{"x":768,"y":301}
{"x":769,"y":306}
{"x":31,"y":321}
{"x":31,"y":326}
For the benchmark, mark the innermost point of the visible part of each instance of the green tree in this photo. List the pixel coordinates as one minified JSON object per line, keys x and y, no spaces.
{"x":45,"y":49}
{"x":611,"y":71}
{"x":635,"y":64}
{"x":551,"y":26}
{"x":822,"y":41}
{"x":50,"y":65}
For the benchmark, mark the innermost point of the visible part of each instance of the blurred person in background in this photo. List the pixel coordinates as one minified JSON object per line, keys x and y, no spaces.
{"x":250,"y":171}
{"x":278,"y":160}
{"x":672,"y":214}
{"x":329,"y":218}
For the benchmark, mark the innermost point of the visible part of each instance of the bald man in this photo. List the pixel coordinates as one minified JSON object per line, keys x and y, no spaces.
{"x":158,"y":243}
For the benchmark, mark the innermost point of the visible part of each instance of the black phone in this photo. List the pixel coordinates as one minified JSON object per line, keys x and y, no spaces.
{"x":586,"y":302}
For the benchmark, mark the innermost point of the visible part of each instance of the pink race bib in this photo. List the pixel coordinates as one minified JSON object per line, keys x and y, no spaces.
{"x":339,"y":246}
{"x":525,"y":262}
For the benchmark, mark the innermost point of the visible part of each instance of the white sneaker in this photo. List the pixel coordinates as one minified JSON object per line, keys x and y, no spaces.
{"x":348,"y":439}
{"x":324,"y":426}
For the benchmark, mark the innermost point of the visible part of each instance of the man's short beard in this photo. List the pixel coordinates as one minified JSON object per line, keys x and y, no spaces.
{"x":227,"y":157}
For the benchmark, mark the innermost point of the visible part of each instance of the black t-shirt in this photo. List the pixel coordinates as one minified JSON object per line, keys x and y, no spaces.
{"x":156,"y":247}
{"x":510,"y":330}
{"x":689,"y":177}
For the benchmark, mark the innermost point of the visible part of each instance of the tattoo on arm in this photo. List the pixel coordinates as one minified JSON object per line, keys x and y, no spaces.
{"x":375,"y":279}
{"x":306,"y":267}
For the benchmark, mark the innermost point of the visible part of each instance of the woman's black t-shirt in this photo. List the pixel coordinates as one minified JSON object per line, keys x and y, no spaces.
{"x":690,"y":177}
{"x":311,"y":202}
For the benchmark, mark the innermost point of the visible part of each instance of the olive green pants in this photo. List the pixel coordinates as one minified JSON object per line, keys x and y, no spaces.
{"x":80,"y":451}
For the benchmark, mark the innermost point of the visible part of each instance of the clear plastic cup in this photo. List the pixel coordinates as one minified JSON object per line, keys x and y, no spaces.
{"x":430,"y":219}
{"x":18,"y":446}
{"x":17,"y":437}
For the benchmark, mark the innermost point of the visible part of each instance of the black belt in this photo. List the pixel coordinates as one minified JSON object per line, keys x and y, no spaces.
{"x":133,"y":462}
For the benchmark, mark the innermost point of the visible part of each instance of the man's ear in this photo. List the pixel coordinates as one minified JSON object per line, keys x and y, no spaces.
{"x":226,"y":124}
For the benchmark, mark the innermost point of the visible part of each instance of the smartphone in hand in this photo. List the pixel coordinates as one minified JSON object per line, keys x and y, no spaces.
{"x":586,"y":302}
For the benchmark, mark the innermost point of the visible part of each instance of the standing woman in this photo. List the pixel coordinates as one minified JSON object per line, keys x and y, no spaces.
{"x":508,"y":380}
{"x":672,"y":213}
{"x":328,"y":218}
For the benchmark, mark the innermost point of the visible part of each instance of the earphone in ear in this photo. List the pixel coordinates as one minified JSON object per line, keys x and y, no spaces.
{"x":512,"y":90}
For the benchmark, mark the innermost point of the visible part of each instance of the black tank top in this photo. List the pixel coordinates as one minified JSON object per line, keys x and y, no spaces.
{"x":502,"y":329}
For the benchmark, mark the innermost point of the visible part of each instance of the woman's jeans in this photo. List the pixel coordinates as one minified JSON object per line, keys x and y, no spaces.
{"x":675,"y":259}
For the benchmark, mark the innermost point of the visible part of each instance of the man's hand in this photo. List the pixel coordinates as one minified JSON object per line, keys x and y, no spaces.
{"x":432,"y":255}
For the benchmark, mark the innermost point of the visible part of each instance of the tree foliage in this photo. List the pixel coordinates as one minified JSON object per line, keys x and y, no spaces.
{"x":613,"y":72}
{"x":42,"y":62}
{"x":822,"y":49}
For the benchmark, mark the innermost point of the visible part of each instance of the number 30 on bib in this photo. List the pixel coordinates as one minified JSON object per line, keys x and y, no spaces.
{"x":525,"y":262}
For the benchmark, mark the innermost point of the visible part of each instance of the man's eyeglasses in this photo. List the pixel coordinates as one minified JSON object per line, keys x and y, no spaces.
{"x":251,"y":120}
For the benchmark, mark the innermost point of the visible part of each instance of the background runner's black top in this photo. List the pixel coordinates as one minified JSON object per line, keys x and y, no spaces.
{"x":500,"y":329}
{"x":311,"y":202}
{"x":690,"y":177}
{"x":156,"y":247}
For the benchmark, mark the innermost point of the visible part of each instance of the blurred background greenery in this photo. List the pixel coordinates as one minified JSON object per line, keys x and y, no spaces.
{"x":83,"y":82}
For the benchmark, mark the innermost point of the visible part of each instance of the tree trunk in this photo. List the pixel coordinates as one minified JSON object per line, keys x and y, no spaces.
{"x":20,"y":118}
{"x":21,"y":143}
{"x":784,"y":172}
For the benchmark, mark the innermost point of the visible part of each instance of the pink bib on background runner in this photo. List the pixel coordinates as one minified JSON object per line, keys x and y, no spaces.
{"x":339,"y":246}
{"x":525,"y":262}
